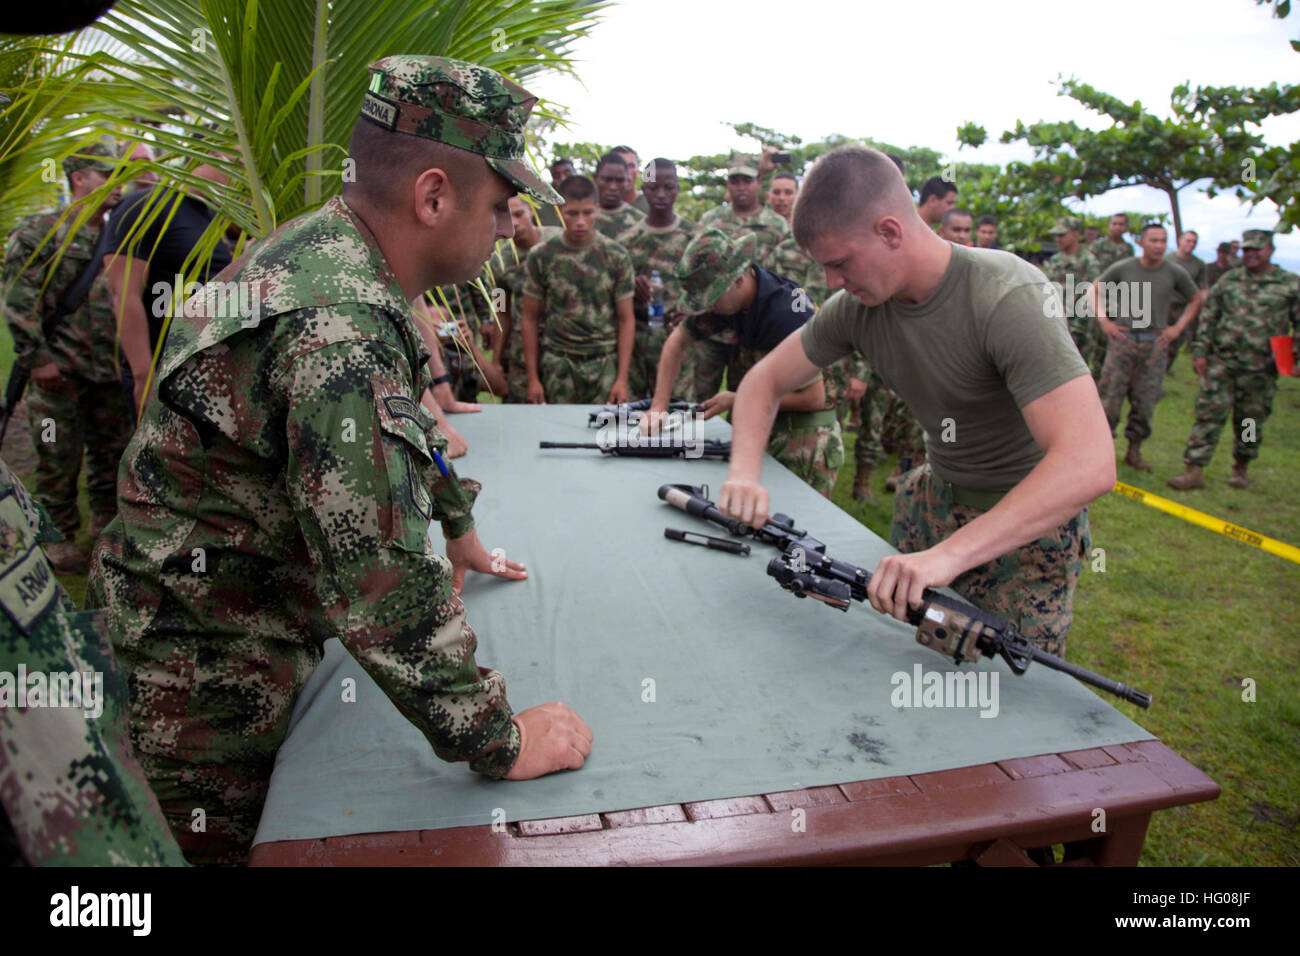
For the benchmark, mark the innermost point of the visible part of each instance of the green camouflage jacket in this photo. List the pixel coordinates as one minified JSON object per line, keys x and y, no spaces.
{"x":84,"y":343}
{"x":508,"y":273}
{"x":578,"y":288}
{"x":69,"y":784}
{"x":278,"y":492}
{"x":1108,"y":253}
{"x":764,"y":223}
{"x":652,"y":248}
{"x":1243,"y":312}
{"x":610,"y":224}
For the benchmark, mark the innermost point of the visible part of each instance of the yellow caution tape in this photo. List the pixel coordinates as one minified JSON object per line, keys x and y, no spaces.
{"x":1271,"y":545}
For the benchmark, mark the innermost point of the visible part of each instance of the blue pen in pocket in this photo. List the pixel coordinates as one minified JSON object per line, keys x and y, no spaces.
{"x":442,"y":465}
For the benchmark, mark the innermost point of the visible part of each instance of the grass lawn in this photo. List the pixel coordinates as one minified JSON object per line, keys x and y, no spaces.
{"x":1185,"y":614}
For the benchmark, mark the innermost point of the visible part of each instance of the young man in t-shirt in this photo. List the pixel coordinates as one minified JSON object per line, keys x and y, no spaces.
{"x":581,"y":284}
{"x":1131,"y":301}
{"x":974,"y":342}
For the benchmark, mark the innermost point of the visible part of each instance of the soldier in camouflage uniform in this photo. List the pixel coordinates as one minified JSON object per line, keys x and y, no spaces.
{"x":722,"y":286}
{"x":74,"y":401}
{"x":1196,"y":271}
{"x":742,"y":215}
{"x":463,"y":302}
{"x":1233,"y":356}
{"x":507,"y":266}
{"x":1072,"y":270}
{"x":581,"y":285}
{"x":613,"y":215}
{"x":1112,"y":247}
{"x":657,"y":243}
{"x":280,"y":487}
{"x":70,"y":788}
{"x":1224,"y":262}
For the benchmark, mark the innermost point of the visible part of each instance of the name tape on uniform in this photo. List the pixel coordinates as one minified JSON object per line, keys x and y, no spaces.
{"x":1263,"y":542}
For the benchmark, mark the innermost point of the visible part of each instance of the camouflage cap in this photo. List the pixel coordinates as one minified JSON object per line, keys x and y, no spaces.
{"x":460,"y":104}
{"x":100,"y":156}
{"x":1256,"y":239}
{"x":708,"y":267}
{"x":1067,"y":224}
{"x":742,"y":166}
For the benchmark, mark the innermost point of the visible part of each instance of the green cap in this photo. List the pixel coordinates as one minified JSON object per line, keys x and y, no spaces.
{"x":1066,"y":224}
{"x":100,"y":155}
{"x":708,"y":267}
{"x":742,"y":166}
{"x":1256,"y":239}
{"x":460,"y":104}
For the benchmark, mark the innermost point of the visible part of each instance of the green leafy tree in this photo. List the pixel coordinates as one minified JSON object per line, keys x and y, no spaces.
{"x":1136,"y":147}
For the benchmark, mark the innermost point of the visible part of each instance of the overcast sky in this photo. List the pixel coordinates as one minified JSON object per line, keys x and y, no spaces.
{"x":663,"y":76}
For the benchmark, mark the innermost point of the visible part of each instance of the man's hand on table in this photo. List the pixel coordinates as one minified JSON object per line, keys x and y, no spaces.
{"x":551,"y":737}
{"x":745,"y":500}
{"x":900,"y":580}
{"x":466,"y":554}
{"x":450,"y":404}
{"x":717,"y":405}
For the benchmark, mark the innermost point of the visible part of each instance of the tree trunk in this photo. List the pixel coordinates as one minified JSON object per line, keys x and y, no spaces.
{"x":1169,"y":190}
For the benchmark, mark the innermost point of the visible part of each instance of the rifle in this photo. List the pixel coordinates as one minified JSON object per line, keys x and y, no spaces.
{"x":611,"y":413}
{"x":710,"y":449}
{"x":944,"y":624}
{"x":67,"y":304}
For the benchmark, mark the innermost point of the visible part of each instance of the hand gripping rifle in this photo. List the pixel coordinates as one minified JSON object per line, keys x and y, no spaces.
{"x":610,"y":413}
{"x":944,"y":624}
{"x":710,"y":449}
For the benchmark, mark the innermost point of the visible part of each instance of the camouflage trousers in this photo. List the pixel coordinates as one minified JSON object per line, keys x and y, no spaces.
{"x":1136,"y":371}
{"x":1091,"y":343}
{"x":1245,"y":396}
{"x":645,"y":361}
{"x":516,"y":373}
{"x":888,"y":425}
{"x":575,"y":380}
{"x":87,"y":418}
{"x":711,"y":359}
{"x":1032,"y":586}
{"x":811,"y":445}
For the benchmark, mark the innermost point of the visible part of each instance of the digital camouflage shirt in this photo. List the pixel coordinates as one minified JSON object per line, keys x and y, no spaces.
{"x":279,"y":492}
{"x":654,"y":247}
{"x":1243,"y":312}
{"x":83,"y":343}
{"x":763,"y":222}
{"x":578,"y":287}
{"x":1108,"y":253}
{"x":69,"y":785}
{"x":611,"y":223}
{"x":507,"y":266}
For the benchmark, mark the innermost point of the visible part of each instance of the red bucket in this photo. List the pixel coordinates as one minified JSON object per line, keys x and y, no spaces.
{"x":1283,"y":353}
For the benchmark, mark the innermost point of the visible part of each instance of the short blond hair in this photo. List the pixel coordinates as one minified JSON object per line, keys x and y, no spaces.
{"x":844,"y":189}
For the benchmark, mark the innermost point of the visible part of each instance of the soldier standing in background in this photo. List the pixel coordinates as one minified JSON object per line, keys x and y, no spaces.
{"x":742,"y":215}
{"x":1232,"y":355}
{"x":1112,"y":247}
{"x":1073,"y":260}
{"x":633,"y":197}
{"x":781,"y":193}
{"x":580,"y":285}
{"x":508,"y":270}
{"x":321,"y":475}
{"x":955,"y":226}
{"x":656,"y":244}
{"x":986,"y":233}
{"x":614,"y":215}
{"x":938,"y":195}
{"x":75,"y":404}
{"x":1222,"y":263}
{"x":1195,"y":270}
{"x":1139,"y":335}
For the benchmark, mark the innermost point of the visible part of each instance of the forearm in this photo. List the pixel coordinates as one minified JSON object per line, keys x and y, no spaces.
{"x":751,"y":424}
{"x":530,"y":345}
{"x":670,"y":366}
{"x":626,"y":338}
{"x":134,"y":334}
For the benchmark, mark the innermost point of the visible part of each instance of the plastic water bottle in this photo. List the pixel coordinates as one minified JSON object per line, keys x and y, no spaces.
{"x":656,"y":309}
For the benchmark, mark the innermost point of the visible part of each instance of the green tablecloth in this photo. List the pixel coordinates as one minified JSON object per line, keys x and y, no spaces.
{"x":754,"y":691}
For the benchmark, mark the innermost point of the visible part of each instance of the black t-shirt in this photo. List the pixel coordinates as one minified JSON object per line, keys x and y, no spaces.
{"x":165,"y":249}
{"x":779,"y":308}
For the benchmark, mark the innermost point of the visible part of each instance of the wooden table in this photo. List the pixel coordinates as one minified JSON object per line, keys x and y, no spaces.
{"x":988,"y":814}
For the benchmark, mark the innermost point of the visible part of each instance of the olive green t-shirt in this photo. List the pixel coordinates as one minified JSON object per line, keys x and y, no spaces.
{"x":988,"y":342}
{"x":1136,"y":297}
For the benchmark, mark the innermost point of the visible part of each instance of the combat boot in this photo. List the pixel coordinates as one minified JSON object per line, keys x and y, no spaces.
{"x":1239,"y":479}
{"x":1133,"y":458}
{"x":66,"y":558}
{"x":1191,"y":478}
{"x":862,"y":486}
